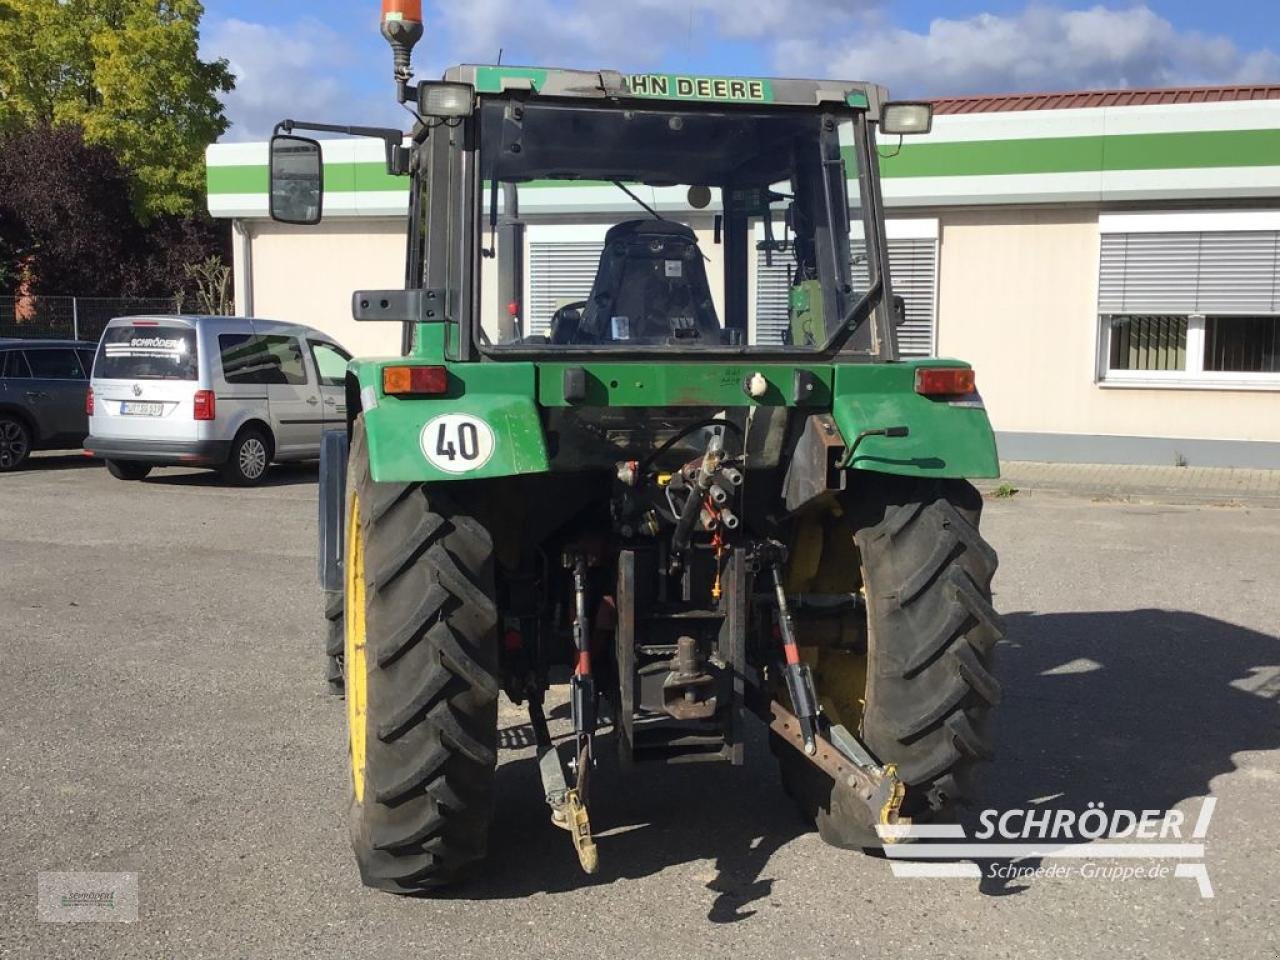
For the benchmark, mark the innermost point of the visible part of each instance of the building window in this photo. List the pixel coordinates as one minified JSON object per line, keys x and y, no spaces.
{"x":1190,"y":307}
{"x":1148,"y":343}
{"x":1242,"y":344}
{"x":913,"y":265}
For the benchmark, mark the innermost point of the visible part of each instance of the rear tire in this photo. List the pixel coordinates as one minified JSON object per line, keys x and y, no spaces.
{"x":15,"y":443}
{"x":334,"y":640}
{"x":128,"y":469}
{"x":931,"y":629}
{"x":421,"y":658}
{"x":249,"y":459}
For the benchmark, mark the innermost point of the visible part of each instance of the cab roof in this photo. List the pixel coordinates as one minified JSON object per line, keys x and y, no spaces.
{"x":675,"y":87}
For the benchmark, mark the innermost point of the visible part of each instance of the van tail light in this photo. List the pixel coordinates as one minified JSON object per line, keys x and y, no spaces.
{"x":205,"y":405}
{"x":944,"y":381}
{"x":88,"y":403}
{"x":422,"y":381}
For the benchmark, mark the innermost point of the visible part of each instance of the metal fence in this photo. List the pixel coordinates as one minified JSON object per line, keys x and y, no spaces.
{"x":72,"y":318}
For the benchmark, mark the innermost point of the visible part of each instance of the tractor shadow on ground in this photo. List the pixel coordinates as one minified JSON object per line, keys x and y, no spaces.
{"x":1137,"y":709}
{"x":646,"y":820}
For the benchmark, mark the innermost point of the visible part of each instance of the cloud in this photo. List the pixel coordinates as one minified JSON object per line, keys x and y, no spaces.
{"x":308,"y":69}
{"x":304,"y":70}
{"x":640,"y":34}
{"x":1041,"y":48}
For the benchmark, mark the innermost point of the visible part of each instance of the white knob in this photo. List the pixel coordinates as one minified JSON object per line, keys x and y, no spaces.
{"x":757,"y":386}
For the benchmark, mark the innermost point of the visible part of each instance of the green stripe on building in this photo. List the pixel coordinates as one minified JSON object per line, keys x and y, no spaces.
{"x":1143,"y":151}
{"x":973,"y":158}
{"x":367,"y":177}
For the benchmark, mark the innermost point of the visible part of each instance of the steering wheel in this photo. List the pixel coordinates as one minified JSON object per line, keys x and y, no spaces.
{"x":566,"y":323}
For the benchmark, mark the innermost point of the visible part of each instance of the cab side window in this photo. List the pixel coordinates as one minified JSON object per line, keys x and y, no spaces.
{"x":331,"y":362}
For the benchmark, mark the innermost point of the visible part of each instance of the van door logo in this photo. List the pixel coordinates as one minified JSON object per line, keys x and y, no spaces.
{"x":137,"y":390}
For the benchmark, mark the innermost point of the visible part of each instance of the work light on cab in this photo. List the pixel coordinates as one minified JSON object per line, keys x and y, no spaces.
{"x":904,"y":119}
{"x":445,"y":100}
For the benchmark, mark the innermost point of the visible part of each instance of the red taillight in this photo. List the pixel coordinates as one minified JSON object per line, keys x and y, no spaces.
{"x":401,"y":380}
{"x":88,"y":403}
{"x":205,"y":405}
{"x":944,"y":381}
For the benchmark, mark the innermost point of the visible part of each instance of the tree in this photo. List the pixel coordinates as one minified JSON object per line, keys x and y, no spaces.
{"x":64,"y":212}
{"x":129,"y":73}
{"x":66,"y":225}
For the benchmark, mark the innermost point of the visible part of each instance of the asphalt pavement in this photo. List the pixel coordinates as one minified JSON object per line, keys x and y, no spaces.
{"x":164,"y":713}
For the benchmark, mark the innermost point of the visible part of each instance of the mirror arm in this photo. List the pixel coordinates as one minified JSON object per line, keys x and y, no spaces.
{"x":393,"y":139}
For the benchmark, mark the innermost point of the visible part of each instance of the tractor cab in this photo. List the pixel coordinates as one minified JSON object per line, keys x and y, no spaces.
{"x":690,"y":183}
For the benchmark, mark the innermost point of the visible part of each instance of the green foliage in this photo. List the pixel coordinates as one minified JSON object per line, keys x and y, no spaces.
{"x":67,"y":228}
{"x":129,"y":73}
{"x":1005,"y":491}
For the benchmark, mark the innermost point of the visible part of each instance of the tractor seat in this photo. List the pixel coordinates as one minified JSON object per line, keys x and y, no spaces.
{"x":650,"y":288}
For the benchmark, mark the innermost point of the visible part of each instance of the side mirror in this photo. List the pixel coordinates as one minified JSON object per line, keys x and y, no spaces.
{"x":297,"y":180}
{"x":899,"y":310}
{"x":903,"y":119}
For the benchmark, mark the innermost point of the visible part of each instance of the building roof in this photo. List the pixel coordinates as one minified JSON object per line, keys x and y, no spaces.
{"x":1152,"y":96}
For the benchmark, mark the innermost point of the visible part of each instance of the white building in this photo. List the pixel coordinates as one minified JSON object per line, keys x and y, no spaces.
{"x":1108,"y":261}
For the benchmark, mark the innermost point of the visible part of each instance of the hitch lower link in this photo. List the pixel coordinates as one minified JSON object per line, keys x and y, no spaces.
{"x":839,"y":754}
{"x":569,"y":803}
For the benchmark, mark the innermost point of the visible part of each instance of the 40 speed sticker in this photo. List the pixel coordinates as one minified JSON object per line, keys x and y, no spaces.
{"x":457,"y":442}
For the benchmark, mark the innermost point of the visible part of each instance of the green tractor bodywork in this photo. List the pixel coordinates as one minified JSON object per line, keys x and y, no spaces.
{"x":946,"y":438}
{"x":699,"y":512}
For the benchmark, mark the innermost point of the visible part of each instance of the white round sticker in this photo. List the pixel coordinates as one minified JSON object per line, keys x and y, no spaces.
{"x":457,"y":442}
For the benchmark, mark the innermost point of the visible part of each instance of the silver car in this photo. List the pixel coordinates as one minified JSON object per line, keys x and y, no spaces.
{"x":231,"y":393}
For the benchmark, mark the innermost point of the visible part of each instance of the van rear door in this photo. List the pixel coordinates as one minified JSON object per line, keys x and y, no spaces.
{"x":145,"y":377}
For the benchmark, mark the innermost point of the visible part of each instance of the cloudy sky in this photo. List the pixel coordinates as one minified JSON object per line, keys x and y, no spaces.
{"x":324,"y":59}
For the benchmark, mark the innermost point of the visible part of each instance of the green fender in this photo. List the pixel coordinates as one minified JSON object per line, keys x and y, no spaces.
{"x":500,"y":395}
{"x":948,"y":437}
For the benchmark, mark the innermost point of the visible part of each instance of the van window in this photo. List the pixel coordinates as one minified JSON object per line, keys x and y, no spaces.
{"x":147,"y":353}
{"x":54,"y":363}
{"x":255,"y":358}
{"x":331,"y":362}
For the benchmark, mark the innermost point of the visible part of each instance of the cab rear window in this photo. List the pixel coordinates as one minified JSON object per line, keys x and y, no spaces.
{"x":147,"y":353}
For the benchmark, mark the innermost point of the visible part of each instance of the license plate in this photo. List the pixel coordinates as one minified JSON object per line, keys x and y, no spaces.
{"x":132,"y":408}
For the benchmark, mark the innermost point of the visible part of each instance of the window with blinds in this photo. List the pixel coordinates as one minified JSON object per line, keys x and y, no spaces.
{"x":914,"y":267}
{"x":1190,"y":305}
{"x":560,"y":272}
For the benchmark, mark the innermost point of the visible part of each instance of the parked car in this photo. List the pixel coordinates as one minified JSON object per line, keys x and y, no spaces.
{"x":232,"y":393}
{"x":42,"y":396}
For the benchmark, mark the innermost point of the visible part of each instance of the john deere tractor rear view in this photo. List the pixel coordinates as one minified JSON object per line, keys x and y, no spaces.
{"x":695,"y":510}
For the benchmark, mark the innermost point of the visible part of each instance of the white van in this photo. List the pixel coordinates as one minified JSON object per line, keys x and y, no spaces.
{"x":230,"y":393}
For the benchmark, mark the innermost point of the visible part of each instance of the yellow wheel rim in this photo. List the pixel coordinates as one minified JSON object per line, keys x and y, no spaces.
{"x":357,"y":681}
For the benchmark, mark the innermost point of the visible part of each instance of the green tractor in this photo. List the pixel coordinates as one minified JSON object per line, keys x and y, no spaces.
{"x":692,"y":516}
